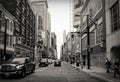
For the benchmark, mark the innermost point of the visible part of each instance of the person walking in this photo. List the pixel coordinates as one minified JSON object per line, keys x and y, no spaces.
{"x":116,"y":67}
{"x":77,"y":63}
{"x":108,"y":65}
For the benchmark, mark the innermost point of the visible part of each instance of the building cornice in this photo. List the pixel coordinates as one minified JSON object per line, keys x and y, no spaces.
{"x":6,"y":12}
{"x":40,"y":2}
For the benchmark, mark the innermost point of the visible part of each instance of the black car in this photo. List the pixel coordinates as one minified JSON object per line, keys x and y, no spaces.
{"x":18,"y":66}
{"x":57,"y":63}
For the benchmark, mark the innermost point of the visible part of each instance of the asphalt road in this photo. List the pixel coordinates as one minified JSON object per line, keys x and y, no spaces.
{"x":65,"y":73}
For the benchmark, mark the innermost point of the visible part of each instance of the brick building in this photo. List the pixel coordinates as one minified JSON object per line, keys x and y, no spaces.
{"x":24,"y":26}
{"x":6,"y":21}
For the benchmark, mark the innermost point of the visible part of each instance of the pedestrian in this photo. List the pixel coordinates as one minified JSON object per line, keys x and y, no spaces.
{"x":116,"y":67}
{"x":81,"y":64}
{"x":108,"y":65}
{"x":77,"y":63}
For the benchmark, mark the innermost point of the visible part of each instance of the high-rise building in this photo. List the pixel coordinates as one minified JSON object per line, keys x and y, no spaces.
{"x":43,"y":26}
{"x":6,"y":23}
{"x":53,"y":45}
{"x":24,"y":26}
{"x":64,"y":36}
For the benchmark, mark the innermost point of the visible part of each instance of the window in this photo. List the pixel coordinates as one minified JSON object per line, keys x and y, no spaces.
{"x":3,"y":21}
{"x":99,"y":33}
{"x":1,"y":37}
{"x":18,"y":2}
{"x":7,"y":21}
{"x":11,"y":26}
{"x":23,"y":31}
{"x":17,"y":27}
{"x":115,"y":17}
{"x":39,"y":22}
{"x":92,"y":38}
{"x":17,"y":51}
{"x":84,"y":42}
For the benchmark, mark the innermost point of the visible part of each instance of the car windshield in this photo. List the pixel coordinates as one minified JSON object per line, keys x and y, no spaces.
{"x":18,"y":60}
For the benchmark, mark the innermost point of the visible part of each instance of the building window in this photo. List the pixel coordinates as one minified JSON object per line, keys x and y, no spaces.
{"x":11,"y":26}
{"x":23,"y":31}
{"x":17,"y":51}
{"x":39,"y":22}
{"x":17,"y":27}
{"x":1,"y":37}
{"x":92,"y":38}
{"x":7,"y":21}
{"x":115,"y":17}
{"x":84,"y":42}
{"x":99,"y":33}
{"x":11,"y":44}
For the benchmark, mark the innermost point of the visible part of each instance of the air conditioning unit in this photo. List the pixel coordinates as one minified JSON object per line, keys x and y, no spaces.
{"x":19,"y":40}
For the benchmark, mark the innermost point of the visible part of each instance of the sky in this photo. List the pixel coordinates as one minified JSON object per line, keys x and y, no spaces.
{"x":60,"y":19}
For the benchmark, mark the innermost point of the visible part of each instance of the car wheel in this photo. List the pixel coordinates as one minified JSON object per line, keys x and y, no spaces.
{"x":33,"y":70}
{"x":23,"y":74}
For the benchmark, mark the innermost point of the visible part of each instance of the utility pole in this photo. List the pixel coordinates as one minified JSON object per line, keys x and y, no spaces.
{"x":88,"y":43}
{"x":88,"y":40}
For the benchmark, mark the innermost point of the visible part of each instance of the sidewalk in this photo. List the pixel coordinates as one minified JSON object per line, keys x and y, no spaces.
{"x":99,"y":73}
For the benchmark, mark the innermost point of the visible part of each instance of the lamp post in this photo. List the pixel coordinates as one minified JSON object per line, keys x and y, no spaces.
{"x":88,"y":43}
{"x":5,"y":39}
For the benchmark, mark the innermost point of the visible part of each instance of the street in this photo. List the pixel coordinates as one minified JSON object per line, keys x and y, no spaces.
{"x":65,"y":73}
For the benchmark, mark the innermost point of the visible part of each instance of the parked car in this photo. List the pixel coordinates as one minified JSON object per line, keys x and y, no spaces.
{"x":18,"y":66}
{"x":57,"y":63}
{"x":43,"y":62}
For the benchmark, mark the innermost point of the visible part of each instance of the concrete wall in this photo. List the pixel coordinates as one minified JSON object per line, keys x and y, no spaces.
{"x":113,"y":38}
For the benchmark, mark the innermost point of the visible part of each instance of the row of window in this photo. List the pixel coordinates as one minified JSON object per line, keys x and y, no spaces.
{"x":96,"y":36}
{"x":115,"y":17}
{"x":9,"y":39}
{"x":4,"y":21}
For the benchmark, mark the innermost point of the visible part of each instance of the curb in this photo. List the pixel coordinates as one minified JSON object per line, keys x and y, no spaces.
{"x":93,"y":74}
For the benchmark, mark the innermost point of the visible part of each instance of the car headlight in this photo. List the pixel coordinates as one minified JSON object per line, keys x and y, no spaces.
{"x":19,"y":67}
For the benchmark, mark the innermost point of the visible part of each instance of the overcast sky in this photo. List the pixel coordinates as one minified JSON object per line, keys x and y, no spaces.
{"x":60,"y":19}
{"x":60,"y":15}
